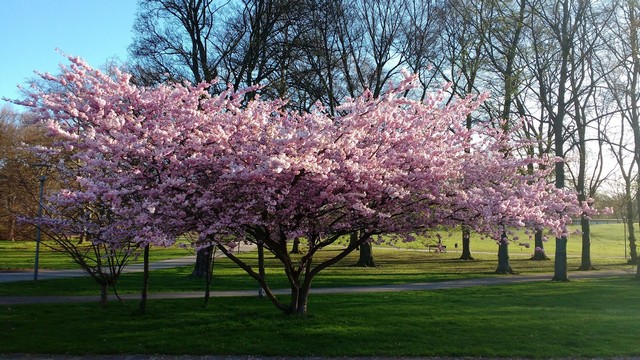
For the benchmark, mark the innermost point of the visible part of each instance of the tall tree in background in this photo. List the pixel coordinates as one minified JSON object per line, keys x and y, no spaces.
{"x":556,"y":23}
{"x":621,"y":71}
{"x":586,"y":116}
{"x":174,"y":41}
{"x":503,"y":39}
{"x":462,"y":61}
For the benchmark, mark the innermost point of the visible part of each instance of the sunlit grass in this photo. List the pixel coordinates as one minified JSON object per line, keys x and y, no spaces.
{"x":607,"y":241}
{"x":20,"y":255}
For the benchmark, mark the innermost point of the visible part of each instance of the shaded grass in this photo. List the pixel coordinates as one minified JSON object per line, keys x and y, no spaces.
{"x":594,"y":318}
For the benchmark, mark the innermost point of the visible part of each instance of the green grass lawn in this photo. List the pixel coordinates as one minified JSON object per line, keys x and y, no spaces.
{"x":594,"y":318}
{"x":583,"y":318}
{"x":396,"y":266}
{"x":607,"y":241}
{"x":20,"y":255}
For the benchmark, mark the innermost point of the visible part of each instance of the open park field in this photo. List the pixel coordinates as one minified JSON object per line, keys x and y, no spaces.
{"x":597,"y":317}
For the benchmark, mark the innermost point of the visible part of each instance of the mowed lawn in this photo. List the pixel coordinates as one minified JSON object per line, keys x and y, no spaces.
{"x":594,"y":318}
{"x":582,"y":318}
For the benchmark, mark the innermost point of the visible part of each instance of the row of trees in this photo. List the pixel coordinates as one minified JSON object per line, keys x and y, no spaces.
{"x":569,"y":66}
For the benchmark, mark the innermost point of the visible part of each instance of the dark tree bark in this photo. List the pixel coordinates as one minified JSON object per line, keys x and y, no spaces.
{"x":466,"y":244}
{"x":202,"y":265}
{"x":504,"y":266}
{"x":212,"y":259}
{"x":295,"y":249}
{"x":104,"y":294}
{"x":366,"y":256}
{"x":539,"y":253}
{"x":585,"y":264}
{"x":560,"y":264}
{"x":633,"y":251}
{"x":261,"y":271}
{"x":145,"y":281}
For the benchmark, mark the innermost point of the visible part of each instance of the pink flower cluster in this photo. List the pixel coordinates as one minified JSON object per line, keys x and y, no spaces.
{"x":175,"y":159}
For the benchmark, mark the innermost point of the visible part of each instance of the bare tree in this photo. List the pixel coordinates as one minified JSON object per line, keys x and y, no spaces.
{"x":556,"y":23}
{"x":621,"y":71}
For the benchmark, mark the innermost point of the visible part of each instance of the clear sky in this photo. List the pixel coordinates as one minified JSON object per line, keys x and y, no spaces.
{"x":31,"y":30}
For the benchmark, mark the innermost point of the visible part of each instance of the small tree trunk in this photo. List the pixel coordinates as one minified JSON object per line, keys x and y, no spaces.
{"x":12,"y":228}
{"x":296,"y":246}
{"x":261,"y":268}
{"x":201,"y":268}
{"x":466,"y":244}
{"x":366,"y":256}
{"x":104,"y":294}
{"x":207,"y":292}
{"x":586,"y":245}
{"x":504,"y":266}
{"x":560,"y":264}
{"x":299,"y":298}
{"x":633,"y":252}
{"x":303,"y":298}
{"x":353,"y":237}
{"x":145,"y":281}
{"x":539,"y":253}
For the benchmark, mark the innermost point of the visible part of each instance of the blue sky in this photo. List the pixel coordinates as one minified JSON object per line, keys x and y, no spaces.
{"x":31,"y":30}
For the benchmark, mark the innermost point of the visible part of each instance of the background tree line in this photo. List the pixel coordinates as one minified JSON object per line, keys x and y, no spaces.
{"x":569,"y":66}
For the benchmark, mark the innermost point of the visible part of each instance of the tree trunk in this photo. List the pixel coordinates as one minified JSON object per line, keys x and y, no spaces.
{"x":295,"y":249}
{"x":586,"y":245}
{"x":145,"y":281}
{"x":261,"y":268}
{"x":633,"y":251}
{"x":104,"y":294}
{"x":366,"y":256}
{"x":202,"y":265}
{"x":466,"y":244}
{"x":353,"y":237}
{"x":539,"y":253}
{"x":207,"y":292}
{"x":560,"y":264}
{"x":12,"y":228}
{"x":299,"y":300}
{"x":504,"y":266}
